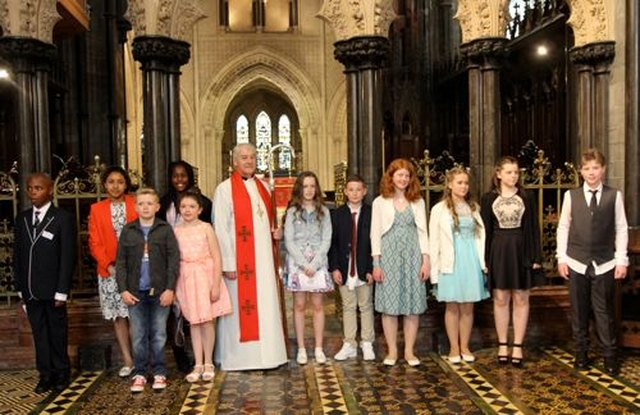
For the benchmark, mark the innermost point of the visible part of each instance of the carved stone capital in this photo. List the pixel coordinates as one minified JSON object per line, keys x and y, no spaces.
{"x":26,"y":54}
{"x":170,"y":18}
{"x":590,"y":21}
{"x":159,"y":52}
{"x":358,"y":18}
{"x":594,"y":56}
{"x":29,"y":18}
{"x":487,"y":52}
{"x":482,"y":18}
{"x":367,"y":52}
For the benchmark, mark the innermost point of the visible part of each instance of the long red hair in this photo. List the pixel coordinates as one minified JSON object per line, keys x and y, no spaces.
{"x":412,"y":193}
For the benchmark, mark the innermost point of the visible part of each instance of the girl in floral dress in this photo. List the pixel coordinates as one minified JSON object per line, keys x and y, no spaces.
{"x":307,"y":238}
{"x":106,"y":220}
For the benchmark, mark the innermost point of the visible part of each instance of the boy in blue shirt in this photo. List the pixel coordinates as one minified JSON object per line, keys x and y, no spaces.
{"x":147,"y":267}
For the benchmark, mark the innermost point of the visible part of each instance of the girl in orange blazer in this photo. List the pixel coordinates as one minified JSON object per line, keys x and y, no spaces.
{"x":106,"y":220}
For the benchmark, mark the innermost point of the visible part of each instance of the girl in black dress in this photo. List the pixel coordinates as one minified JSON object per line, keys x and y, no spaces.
{"x":513,"y":254}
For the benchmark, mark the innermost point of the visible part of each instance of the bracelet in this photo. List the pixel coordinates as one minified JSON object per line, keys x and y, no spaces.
{"x":376,"y":262}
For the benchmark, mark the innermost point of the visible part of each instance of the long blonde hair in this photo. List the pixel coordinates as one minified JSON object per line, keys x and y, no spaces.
{"x":447,"y":197}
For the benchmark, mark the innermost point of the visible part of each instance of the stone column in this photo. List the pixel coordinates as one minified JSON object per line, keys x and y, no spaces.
{"x":363,"y":58}
{"x":484,"y":57}
{"x":592,"y":62}
{"x":161,"y":59}
{"x":30,"y":60}
{"x":632,"y":117}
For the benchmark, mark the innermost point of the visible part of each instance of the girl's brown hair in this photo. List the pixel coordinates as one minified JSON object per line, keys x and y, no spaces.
{"x":447,"y":197}
{"x":499,"y":165}
{"x":412,"y":193}
{"x":297,"y":194}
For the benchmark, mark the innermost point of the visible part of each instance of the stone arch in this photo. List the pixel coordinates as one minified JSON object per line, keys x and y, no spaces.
{"x":256,"y":66}
{"x":590,"y":21}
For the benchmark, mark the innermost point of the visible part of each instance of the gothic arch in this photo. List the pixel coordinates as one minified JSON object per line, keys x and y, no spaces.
{"x":259,"y":65}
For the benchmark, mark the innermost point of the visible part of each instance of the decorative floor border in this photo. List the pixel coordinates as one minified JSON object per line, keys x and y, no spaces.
{"x":69,"y":396}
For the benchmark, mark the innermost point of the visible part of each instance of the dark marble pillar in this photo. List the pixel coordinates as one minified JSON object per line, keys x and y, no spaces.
{"x":632,"y":116}
{"x":161,"y":59}
{"x":363,"y":58}
{"x":483,"y":57}
{"x":592,"y":62}
{"x":30,"y":61}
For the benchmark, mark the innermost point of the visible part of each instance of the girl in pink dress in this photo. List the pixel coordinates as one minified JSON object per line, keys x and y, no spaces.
{"x":200,"y":290}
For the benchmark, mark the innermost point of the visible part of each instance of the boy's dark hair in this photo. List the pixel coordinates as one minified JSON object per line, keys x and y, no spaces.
{"x":593,"y":154}
{"x":355,"y":178}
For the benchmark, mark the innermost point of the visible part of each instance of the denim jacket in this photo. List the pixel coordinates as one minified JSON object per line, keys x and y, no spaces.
{"x":303,"y":232}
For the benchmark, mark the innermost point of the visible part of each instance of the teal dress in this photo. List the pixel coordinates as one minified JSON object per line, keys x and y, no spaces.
{"x":466,"y":284}
{"x":402,"y":292}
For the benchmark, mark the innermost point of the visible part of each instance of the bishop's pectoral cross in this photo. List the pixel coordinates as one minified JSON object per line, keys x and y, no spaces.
{"x":260,"y":211}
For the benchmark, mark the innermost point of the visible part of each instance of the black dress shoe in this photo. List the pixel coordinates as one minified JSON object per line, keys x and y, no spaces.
{"x":61,"y":384}
{"x":43,"y":385}
{"x":581,"y":362}
{"x":611,"y":366}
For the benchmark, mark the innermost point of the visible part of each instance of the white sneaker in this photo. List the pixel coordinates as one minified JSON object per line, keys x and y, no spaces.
{"x":125,"y":371}
{"x":302,"y":357}
{"x":320,"y":357}
{"x":347,"y":351}
{"x":367,"y":351}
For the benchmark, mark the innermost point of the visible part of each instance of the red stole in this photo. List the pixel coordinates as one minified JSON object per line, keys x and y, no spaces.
{"x":246,"y":255}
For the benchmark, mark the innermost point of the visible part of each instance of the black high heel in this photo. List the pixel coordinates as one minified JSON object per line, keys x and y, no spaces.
{"x":517,"y":361}
{"x":503,"y":359}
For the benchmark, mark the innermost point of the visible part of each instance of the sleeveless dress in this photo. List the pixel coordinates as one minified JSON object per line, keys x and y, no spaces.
{"x":196,"y":277}
{"x":466,"y":283}
{"x":506,"y":251}
{"x":402,"y":292}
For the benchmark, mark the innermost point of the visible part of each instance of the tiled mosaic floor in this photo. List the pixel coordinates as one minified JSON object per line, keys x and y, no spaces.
{"x":547,"y":384}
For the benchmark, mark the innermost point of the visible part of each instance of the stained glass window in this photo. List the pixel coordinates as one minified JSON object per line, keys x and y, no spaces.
{"x":242,"y":130}
{"x":284,"y":137}
{"x":263,"y":140}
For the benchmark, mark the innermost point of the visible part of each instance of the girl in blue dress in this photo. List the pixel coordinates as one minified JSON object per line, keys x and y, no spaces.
{"x":456,"y":246}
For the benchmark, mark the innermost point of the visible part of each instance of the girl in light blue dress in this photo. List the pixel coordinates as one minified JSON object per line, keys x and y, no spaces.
{"x":457,"y":260}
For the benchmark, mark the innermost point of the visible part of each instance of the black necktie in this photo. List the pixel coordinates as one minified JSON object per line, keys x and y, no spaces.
{"x":593,"y":204}
{"x":36,"y":221}
{"x":354,"y":239}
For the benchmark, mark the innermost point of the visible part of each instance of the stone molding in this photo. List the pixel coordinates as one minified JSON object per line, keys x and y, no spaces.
{"x":169,"y":53}
{"x":29,"y":18}
{"x":370,"y":52}
{"x":486,"y":52}
{"x":356,"y":18}
{"x":482,"y":18}
{"x":27,"y":53}
{"x":598,"y":56}
{"x":170,"y":18}
{"x":589,"y":20}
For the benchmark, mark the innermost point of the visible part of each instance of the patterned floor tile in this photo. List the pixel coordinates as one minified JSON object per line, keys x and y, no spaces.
{"x":16,"y":392}
{"x":329,"y":389}
{"x":611,"y":384}
{"x":69,"y":396}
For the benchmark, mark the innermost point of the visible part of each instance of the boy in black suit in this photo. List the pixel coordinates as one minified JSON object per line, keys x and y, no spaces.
{"x":44,"y":260}
{"x":350,"y":265}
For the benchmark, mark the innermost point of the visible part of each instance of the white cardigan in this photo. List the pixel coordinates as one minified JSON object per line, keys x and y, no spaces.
{"x":441,"y":241}
{"x":382,"y":216}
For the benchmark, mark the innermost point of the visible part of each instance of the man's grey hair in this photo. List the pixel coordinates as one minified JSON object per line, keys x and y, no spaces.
{"x":238,"y":147}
